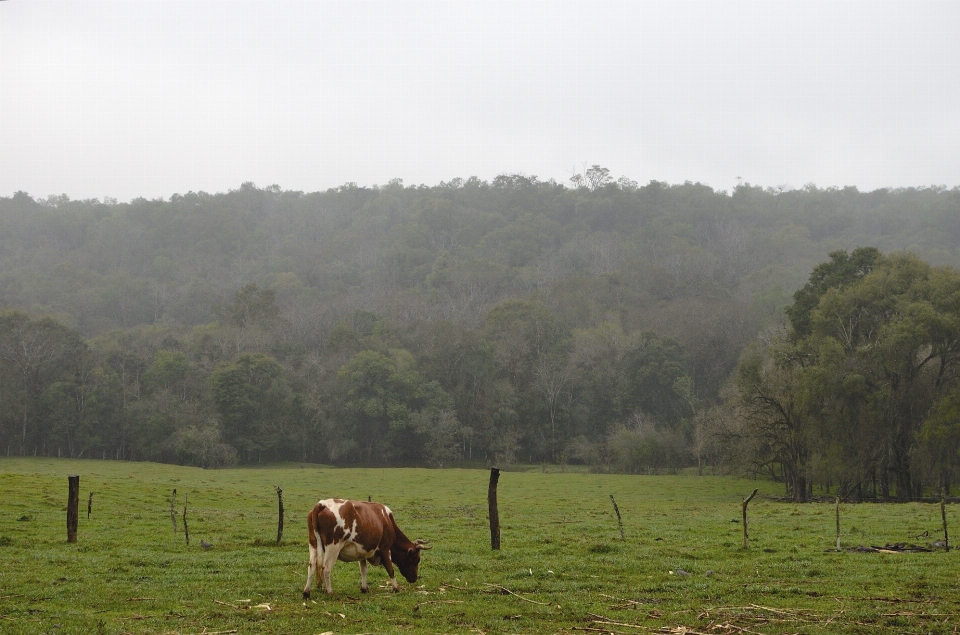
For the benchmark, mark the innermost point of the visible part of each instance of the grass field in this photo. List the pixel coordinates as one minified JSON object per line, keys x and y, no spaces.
{"x":562,"y":567}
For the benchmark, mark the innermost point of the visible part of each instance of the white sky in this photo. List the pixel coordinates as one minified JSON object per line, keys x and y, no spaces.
{"x":149,"y":98}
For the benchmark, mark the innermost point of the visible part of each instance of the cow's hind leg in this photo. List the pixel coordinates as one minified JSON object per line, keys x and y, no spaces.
{"x":321,"y":560}
{"x":363,"y":576}
{"x":311,"y":571}
{"x":327,"y":560}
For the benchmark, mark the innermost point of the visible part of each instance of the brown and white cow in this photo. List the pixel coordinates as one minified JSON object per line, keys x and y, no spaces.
{"x":354,"y":531}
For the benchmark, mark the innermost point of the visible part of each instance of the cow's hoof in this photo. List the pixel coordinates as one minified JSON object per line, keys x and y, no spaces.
{"x":306,"y":595}
{"x":364,"y":589}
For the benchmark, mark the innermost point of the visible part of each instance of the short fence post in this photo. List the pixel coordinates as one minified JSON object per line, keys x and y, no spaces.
{"x":746,"y":534}
{"x":619,"y":520}
{"x":73,"y":506}
{"x":492,"y":503}
{"x":89,"y":505}
{"x":173,"y":511}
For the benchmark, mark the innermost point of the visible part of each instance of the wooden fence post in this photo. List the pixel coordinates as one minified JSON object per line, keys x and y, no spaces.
{"x":186,"y":532}
{"x":89,"y":505}
{"x":494,"y":514}
{"x":943,"y":515}
{"x":619,"y":520}
{"x":838,"y":522}
{"x":746,"y":534}
{"x":280,"y":519}
{"x":173,"y":511}
{"x":73,"y":506}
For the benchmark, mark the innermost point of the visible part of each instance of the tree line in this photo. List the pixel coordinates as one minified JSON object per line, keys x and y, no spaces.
{"x":598,"y":322}
{"x":522,"y":387}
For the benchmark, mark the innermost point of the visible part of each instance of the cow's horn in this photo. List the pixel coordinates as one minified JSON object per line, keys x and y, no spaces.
{"x":423,"y":544}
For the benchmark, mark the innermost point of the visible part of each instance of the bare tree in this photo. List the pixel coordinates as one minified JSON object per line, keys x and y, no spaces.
{"x":550,"y":376}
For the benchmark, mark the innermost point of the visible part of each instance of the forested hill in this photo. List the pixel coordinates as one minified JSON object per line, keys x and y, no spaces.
{"x":506,"y":320}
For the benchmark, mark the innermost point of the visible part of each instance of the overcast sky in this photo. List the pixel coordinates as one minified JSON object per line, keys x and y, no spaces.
{"x":149,"y":98}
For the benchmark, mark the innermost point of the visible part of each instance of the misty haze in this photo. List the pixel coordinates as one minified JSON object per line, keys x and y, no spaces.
{"x":164,"y":302}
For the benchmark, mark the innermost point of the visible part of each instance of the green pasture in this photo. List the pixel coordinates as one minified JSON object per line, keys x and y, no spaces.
{"x":562,"y":567}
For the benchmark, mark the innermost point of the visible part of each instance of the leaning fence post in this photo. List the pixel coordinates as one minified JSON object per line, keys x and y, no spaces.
{"x":619,"y":520}
{"x":492,"y":503}
{"x":280,"y":519}
{"x":943,"y":514}
{"x":73,"y":506}
{"x":746,"y":534}
{"x":173,"y":511}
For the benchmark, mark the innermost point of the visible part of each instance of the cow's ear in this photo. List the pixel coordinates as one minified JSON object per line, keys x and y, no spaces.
{"x":411,"y":551}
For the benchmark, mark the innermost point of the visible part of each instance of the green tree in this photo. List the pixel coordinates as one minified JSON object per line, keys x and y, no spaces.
{"x":35,"y":355}
{"x":598,"y":381}
{"x":170,"y":371}
{"x":78,"y":404}
{"x":842,"y":269}
{"x":124,"y":358}
{"x":252,"y":399}
{"x":530,"y":347}
{"x":381,"y":390}
{"x":251,"y":306}
{"x":593,"y":178}
{"x":940,"y":434}
{"x":201,"y":445}
{"x":652,"y":367}
{"x":781,"y":392}
{"x":442,"y":435}
{"x":900,"y":327}
{"x":462,"y":361}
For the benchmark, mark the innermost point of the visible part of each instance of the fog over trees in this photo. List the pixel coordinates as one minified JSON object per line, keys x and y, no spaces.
{"x":635,"y":328}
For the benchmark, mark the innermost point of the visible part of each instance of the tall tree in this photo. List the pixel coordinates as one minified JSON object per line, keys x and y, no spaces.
{"x":530,"y":346}
{"x":35,"y":354}
{"x":252,"y":399}
{"x":842,"y":269}
{"x":900,"y":326}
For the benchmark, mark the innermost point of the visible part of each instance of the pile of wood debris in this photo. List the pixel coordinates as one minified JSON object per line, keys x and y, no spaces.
{"x":899,"y":547}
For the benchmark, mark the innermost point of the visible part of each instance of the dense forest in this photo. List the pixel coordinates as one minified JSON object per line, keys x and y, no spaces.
{"x":516,"y":320}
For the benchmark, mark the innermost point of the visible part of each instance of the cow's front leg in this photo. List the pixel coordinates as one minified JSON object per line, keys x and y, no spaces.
{"x":388,"y":565}
{"x":363,"y":576}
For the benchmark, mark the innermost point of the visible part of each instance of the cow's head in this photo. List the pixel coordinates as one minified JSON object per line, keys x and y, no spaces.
{"x":408,"y":560}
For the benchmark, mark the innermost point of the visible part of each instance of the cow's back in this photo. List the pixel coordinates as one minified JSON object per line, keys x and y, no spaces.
{"x":369,"y":526}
